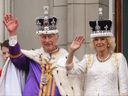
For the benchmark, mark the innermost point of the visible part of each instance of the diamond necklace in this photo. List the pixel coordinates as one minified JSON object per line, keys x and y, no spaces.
{"x":103,"y":60}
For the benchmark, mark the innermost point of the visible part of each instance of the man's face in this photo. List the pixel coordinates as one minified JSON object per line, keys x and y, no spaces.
{"x":49,"y":42}
{"x":5,"y":53}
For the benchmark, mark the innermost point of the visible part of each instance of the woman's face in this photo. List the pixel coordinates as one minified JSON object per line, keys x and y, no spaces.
{"x":5,"y":53}
{"x":100,"y":44}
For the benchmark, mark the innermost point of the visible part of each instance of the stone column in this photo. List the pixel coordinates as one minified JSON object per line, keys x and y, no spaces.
{"x":1,"y":20}
{"x":1,"y":29}
{"x":76,"y":22}
{"x":60,"y":10}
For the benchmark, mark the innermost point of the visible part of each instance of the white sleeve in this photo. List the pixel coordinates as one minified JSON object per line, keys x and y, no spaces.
{"x":123,"y":75}
{"x":79,"y":67}
{"x":13,"y":40}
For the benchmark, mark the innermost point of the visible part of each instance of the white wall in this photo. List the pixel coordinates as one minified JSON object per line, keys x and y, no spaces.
{"x":26,"y":11}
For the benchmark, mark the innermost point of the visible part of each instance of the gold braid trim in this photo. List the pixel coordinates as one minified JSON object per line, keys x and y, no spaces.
{"x":15,"y":56}
{"x":45,"y":77}
{"x":89,"y":59}
{"x":115,"y":60}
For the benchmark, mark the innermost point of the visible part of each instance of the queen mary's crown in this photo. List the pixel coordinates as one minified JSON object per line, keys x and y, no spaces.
{"x":101,"y":28}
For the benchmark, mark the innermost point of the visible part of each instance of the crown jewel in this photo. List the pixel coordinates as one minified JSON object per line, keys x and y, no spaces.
{"x":46,"y":24}
{"x":101,"y":27}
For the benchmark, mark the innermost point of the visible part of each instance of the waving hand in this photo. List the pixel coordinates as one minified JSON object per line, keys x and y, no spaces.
{"x":77,"y":43}
{"x":11,"y":24}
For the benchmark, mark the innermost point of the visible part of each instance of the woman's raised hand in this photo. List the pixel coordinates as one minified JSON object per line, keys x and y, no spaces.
{"x":77,"y":43}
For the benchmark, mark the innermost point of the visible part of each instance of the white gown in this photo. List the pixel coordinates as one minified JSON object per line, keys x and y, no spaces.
{"x":12,"y":80}
{"x":103,"y":78}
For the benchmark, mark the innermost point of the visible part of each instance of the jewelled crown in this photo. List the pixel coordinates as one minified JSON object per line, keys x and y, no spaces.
{"x":101,"y":28}
{"x":46,"y":24}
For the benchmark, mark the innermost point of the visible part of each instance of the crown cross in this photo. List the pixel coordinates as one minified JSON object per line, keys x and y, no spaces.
{"x":38,"y":23}
{"x":106,"y":27}
{"x":53,"y":23}
{"x":97,"y":27}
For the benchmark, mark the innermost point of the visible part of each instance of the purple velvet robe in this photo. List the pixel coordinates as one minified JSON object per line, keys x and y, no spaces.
{"x":32,"y":85}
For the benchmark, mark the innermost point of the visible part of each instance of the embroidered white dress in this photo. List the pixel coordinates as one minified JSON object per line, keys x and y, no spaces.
{"x":102,"y":78}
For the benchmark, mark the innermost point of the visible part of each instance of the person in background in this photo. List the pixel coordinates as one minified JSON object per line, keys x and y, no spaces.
{"x":46,"y":66}
{"x":106,"y":72}
{"x":11,"y":83}
{"x":5,"y":52}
